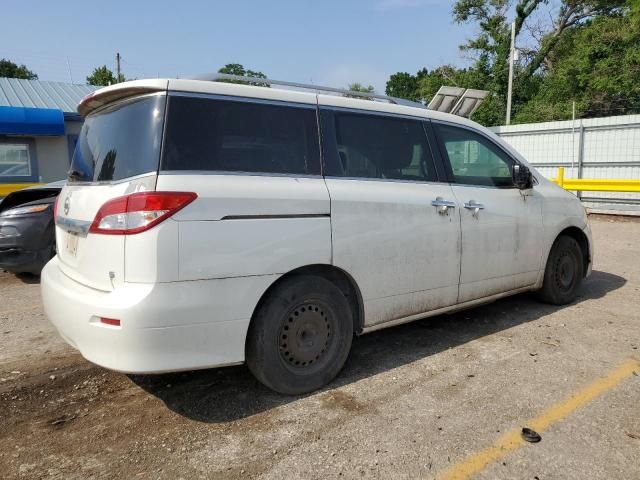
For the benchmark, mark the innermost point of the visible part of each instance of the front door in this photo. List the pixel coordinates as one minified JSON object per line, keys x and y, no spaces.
{"x":400,"y":248}
{"x":501,"y":225}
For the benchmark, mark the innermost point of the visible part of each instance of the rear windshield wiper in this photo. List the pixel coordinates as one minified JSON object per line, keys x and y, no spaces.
{"x":76,"y":175}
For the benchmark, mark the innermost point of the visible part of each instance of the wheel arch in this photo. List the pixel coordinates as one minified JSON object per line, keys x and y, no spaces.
{"x":579,"y":236}
{"x":335,"y":275}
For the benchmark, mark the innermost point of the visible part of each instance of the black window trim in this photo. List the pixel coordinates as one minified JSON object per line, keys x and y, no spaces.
{"x":438,"y":160}
{"x":447,"y":164}
{"x":236,"y":98}
{"x":231,"y":173}
{"x":378,"y":113}
{"x":328,"y":143}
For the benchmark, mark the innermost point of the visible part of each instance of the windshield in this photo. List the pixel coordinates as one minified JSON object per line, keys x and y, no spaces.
{"x":120,"y":141}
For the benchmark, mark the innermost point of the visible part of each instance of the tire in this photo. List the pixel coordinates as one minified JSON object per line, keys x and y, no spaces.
{"x":300,"y":337}
{"x":564,"y":272}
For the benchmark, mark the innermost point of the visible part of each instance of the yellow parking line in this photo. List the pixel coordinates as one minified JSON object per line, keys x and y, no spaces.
{"x":512,"y":440}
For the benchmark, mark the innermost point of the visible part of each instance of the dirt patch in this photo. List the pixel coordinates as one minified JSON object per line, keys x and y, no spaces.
{"x":340,"y":400}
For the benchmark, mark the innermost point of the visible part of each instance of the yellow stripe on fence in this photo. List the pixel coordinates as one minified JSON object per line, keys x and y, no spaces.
{"x":596,"y":184}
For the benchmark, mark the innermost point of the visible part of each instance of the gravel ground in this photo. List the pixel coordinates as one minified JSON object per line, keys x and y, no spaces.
{"x":413,"y":401}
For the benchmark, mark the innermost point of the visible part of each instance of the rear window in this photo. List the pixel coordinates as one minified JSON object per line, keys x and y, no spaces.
{"x":119,"y":141}
{"x":240,"y":136}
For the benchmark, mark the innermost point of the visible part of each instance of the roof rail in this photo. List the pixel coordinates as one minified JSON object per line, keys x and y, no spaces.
{"x":216,"y":77}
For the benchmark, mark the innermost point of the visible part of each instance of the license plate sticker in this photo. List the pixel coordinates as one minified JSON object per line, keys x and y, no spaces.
{"x":72,"y":244}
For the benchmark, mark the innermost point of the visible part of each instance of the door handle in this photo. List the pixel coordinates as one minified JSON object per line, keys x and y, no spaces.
{"x":474,"y":206}
{"x":443,"y":205}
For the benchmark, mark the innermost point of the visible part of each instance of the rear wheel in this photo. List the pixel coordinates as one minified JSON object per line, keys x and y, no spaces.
{"x":300,"y":336}
{"x":564,"y":272}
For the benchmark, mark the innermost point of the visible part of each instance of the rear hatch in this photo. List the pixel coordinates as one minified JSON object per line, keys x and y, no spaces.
{"x":117,"y":153}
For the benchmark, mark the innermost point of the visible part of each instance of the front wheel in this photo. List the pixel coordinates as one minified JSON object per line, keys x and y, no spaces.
{"x":300,"y":337}
{"x":564,"y":272}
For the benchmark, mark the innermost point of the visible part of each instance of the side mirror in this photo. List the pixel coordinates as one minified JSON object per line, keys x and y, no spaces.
{"x":522,"y":177}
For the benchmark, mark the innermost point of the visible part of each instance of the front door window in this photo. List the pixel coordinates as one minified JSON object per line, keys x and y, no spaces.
{"x":474,"y":160}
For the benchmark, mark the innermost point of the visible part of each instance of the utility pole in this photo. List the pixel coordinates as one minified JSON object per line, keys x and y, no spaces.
{"x":573,"y":135}
{"x":118,"y":67}
{"x":512,"y":52}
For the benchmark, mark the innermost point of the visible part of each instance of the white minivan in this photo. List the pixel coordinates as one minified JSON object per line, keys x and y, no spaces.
{"x":207,"y":224}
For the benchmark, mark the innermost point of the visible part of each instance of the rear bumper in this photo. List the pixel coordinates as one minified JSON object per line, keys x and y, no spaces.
{"x":17,"y":260}
{"x":164,"y":326}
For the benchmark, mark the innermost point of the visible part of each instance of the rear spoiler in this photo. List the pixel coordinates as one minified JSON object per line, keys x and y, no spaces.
{"x":110,"y":94}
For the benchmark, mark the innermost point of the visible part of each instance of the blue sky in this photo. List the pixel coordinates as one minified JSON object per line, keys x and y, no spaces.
{"x":328,"y":42}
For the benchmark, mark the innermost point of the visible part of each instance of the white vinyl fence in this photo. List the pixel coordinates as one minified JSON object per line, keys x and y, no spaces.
{"x":607,"y":147}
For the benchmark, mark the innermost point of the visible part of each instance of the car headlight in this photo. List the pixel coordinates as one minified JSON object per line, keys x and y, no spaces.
{"x":14,"y":212}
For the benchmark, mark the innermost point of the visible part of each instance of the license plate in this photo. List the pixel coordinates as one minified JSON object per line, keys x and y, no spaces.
{"x":72,"y":244}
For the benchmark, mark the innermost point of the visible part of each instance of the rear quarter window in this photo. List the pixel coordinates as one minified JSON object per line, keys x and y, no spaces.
{"x":205,"y":134}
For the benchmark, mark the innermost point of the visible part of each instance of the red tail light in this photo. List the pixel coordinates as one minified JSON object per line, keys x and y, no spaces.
{"x":138,"y":212}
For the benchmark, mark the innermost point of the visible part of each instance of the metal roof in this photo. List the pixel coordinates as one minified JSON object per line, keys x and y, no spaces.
{"x":16,"y":92}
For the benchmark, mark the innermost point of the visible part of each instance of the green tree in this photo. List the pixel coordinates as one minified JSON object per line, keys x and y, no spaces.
{"x":491,"y":45}
{"x":402,"y":85}
{"x":430,"y":81}
{"x":566,"y":49}
{"x":102,"y":77}
{"x":358,"y":87}
{"x":406,"y":85}
{"x":424,"y":84}
{"x":477,"y":77}
{"x":571,"y":15}
{"x":9,"y":69}
{"x":597,"y":65}
{"x":239,"y":70}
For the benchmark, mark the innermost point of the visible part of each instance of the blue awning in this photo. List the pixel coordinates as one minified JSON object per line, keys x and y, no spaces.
{"x":31,"y":121}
